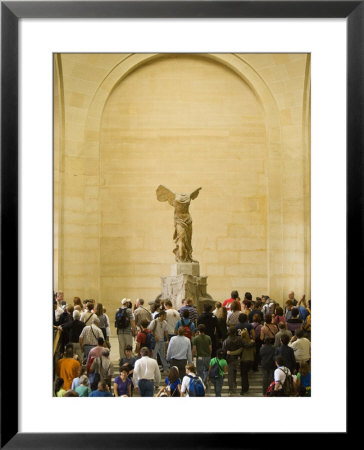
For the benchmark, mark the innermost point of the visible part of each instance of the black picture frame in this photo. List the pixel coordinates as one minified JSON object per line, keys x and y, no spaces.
{"x":11,"y":13}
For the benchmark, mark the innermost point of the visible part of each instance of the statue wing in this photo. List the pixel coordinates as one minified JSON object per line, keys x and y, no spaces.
{"x":195,"y":193}
{"x":164,"y":194}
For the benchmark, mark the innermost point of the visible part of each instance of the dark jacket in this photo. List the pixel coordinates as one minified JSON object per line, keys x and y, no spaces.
{"x":210,"y":322}
{"x":267,"y":353}
{"x":287,"y":354}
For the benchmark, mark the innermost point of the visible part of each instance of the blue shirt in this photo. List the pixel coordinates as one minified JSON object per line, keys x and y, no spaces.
{"x":100,"y":394}
{"x":185,"y":322}
{"x":179,"y":348}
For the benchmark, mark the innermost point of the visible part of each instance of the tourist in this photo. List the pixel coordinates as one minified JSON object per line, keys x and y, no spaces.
{"x":142,"y":339}
{"x":191,"y":309}
{"x":246,"y":360}
{"x":188,"y":388}
{"x":295,"y":322}
{"x":102,"y":390}
{"x":141,"y":313}
{"x":202,"y":348}
{"x":187,"y":324}
{"x":125,"y":325}
{"x":233,"y":347}
{"x":301,"y":347}
{"x":282,"y":330}
{"x":268,"y":329}
{"x":68,"y":367}
{"x":286,"y":353}
{"x":233,"y":314}
{"x":146,"y":374}
{"x":172,"y":384}
{"x":267,"y":355}
{"x":122,"y":384}
{"x":159,"y":328}
{"x":83,"y":390}
{"x":279,"y":316}
{"x":99,"y":311}
{"x":210,"y":322}
{"x":179,"y":351}
{"x":59,"y":390}
{"x":89,"y":337}
{"x":243,"y":323}
{"x":218,"y":378}
{"x":103,"y":366}
{"x":96,"y":352}
{"x":280,"y":375}
{"x":256,"y":310}
{"x":257,"y":326}
{"x":291,"y":297}
{"x":234,"y":296}
{"x":303,"y":381}
{"x":172,"y":317}
{"x":74,"y":329}
{"x":221,"y":328}
{"x":87,"y":317}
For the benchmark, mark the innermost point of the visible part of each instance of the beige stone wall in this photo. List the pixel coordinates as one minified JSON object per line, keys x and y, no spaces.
{"x":237,"y":125}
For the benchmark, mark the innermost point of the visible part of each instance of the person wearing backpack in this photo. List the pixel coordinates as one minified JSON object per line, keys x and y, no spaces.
{"x":192,"y":385}
{"x":187,"y":324}
{"x":145,"y":338}
{"x":283,"y":380}
{"x":125,"y":325}
{"x":218,"y":366}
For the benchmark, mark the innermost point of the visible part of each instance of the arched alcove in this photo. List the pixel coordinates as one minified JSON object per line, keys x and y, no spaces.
{"x":221,"y":258}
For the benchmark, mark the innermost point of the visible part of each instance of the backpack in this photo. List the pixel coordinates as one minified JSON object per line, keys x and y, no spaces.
{"x":187,"y":328}
{"x":287,"y":387}
{"x":121,"y":318}
{"x":215,"y":369}
{"x":149,"y":340}
{"x":196,"y":388}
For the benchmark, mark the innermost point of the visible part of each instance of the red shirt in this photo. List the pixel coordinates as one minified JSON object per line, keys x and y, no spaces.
{"x":142,"y":339}
{"x":227,"y":303}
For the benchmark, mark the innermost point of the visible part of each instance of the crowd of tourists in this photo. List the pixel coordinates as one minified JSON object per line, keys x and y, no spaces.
{"x":168,"y":352}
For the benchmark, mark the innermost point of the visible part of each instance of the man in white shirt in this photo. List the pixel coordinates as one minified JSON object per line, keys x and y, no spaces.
{"x":191,"y":372}
{"x":280,"y":375}
{"x":172,"y":317}
{"x":146,"y":374}
{"x":301,"y":347}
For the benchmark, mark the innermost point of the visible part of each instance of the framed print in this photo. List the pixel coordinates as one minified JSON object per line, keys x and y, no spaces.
{"x":39,"y":37}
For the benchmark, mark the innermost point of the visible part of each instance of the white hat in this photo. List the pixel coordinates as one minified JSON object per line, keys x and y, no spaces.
{"x":125,"y":300}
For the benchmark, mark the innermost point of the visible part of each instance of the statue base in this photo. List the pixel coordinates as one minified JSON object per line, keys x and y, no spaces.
{"x":187,"y":268}
{"x":185,"y":282}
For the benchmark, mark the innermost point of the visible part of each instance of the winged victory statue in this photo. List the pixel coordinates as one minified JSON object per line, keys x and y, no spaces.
{"x":182,"y":221}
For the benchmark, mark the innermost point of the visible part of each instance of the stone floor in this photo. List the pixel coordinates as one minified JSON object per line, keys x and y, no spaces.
{"x":255,"y":378}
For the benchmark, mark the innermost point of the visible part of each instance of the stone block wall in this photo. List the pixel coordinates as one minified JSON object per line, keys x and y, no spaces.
{"x":237,"y":125}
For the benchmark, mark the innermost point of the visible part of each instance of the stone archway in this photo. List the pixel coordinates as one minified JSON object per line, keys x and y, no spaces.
{"x":239,"y":66}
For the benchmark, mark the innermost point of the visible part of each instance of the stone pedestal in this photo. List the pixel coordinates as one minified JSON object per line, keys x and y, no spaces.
{"x":184,"y":282}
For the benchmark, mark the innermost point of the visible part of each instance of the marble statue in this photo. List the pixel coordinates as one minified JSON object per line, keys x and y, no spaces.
{"x":182,"y":221}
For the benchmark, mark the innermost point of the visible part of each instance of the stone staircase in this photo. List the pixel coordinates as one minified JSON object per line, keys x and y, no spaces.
{"x":255,"y":384}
